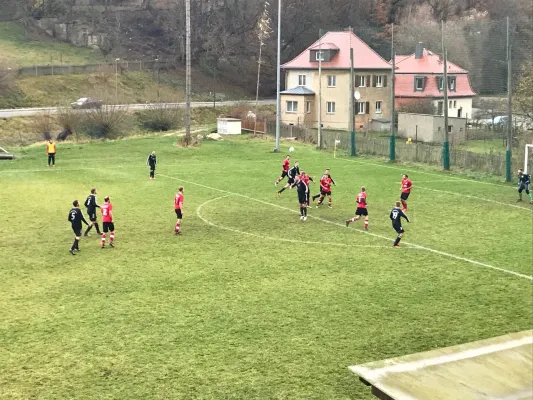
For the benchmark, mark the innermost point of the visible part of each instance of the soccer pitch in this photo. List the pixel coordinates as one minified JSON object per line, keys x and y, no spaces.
{"x":250,"y":302}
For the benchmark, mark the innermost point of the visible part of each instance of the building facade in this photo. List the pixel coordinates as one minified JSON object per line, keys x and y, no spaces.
{"x":305,"y":91}
{"x":420,"y":76}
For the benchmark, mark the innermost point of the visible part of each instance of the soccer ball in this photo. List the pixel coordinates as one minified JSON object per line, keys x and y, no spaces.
{"x":291,"y":149}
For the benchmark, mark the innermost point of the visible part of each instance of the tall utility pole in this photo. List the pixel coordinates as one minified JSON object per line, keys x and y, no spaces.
{"x":446,"y":144}
{"x":352,"y":99}
{"x":188,"y":71}
{"x":508,"y":152}
{"x":392,"y":145}
{"x":320,"y":56}
{"x":278,"y":81}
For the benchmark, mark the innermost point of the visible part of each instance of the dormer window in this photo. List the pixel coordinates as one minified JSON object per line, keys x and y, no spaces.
{"x":324,"y":53}
{"x":319,"y":55}
{"x":420,"y":83}
{"x":452,"y":83}
{"x":440,"y":83}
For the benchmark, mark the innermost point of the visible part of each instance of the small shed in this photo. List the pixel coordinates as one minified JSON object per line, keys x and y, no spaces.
{"x":229,"y":126}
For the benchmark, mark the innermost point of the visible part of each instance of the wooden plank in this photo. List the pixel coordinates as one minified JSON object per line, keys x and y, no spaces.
{"x":497,"y":368}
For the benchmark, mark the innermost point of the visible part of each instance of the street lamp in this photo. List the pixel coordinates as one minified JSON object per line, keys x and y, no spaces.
{"x":116,"y":79}
{"x":157,"y":66}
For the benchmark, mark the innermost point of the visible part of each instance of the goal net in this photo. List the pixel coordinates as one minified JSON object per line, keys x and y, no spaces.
{"x":528,"y":159}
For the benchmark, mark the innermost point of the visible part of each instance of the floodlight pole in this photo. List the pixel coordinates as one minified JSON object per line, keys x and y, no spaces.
{"x":278,"y":82}
{"x":446,"y":144}
{"x":188,"y":71}
{"x":392,"y":144}
{"x":320,"y":89}
{"x":508,"y":151}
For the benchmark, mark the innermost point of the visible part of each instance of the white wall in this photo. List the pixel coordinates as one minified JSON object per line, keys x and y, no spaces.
{"x":292,"y":79}
{"x":464,"y":102}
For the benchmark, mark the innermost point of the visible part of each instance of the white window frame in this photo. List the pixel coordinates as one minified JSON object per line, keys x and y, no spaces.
{"x":319,"y":55}
{"x":379,"y":80}
{"x":293,"y":109}
{"x":362,"y":81}
{"x":452,"y":84}
{"x":302,"y":78}
{"x":417,"y":80}
{"x":379,"y":109}
{"x":330,"y":107}
{"x":308,"y":107}
{"x":361,"y":108}
{"x":332,"y":81}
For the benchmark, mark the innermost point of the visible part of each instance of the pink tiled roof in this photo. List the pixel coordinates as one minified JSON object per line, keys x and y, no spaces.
{"x":430,"y":63}
{"x":405,"y":87}
{"x":364,"y":56}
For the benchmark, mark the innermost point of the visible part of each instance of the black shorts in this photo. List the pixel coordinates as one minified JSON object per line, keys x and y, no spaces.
{"x":324,"y":193}
{"x":302,"y":197}
{"x":361,"y":211}
{"x":522,"y":187}
{"x":77,"y":230}
{"x":404,"y":196}
{"x":283,"y":174}
{"x":109,"y":227}
{"x":398,"y":228}
{"x":179,"y":213}
{"x":92,"y":215}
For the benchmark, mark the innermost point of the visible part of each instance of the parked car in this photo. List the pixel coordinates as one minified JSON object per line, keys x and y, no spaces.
{"x":87,"y":102}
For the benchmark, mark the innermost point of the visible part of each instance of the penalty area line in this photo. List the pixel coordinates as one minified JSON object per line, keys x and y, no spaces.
{"x":428,"y":249}
{"x":295,"y":241}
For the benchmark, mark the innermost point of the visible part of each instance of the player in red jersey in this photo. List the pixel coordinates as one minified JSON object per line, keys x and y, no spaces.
{"x":325,"y":189}
{"x":178,"y":208}
{"x":406,"y":191}
{"x":361,"y":209}
{"x":107,"y":218}
{"x":284,"y":169}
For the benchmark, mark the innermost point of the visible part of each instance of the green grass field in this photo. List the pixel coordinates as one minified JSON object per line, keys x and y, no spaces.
{"x":250,"y":303}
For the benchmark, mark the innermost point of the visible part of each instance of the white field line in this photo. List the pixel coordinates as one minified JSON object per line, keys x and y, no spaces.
{"x":138,"y":165}
{"x":374,"y":374}
{"x":473,"y":197}
{"x":441,"y":180}
{"x":422,"y":172}
{"x":442,"y":253}
{"x":199,"y":215}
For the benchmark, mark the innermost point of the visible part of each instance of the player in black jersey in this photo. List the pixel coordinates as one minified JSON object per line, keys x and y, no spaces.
{"x":302,"y":187}
{"x":152,"y":162}
{"x":92,"y":205}
{"x":75,"y":217}
{"x":524,"y":180}
{"x":396,"y":216}
{"x":291,"y":176}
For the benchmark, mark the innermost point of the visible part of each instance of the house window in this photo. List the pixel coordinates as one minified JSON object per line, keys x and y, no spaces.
{"x":452,"y":82}
{"x":319,"y":56}
{"x":308,"y":107}
{"x":379,"y":81}
{"x":362,"y":81}
{"x":292,"y":106}
{"x":455,"y":104}
{"x":450,"y":105}
{"x":332,"y":81}
{"x":330,"y":105}
{"x":302,"y":80}
{"x":378,"y":107}
{"x":440,"y":107}
{"x":361,"y":108}
{"x":419,"y":83}
{"x":440,"y":83}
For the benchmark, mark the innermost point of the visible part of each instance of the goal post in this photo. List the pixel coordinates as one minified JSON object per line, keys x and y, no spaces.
{"x":528,"y":158}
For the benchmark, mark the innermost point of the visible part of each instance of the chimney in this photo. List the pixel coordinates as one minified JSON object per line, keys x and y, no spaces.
{"x":419,"y":50}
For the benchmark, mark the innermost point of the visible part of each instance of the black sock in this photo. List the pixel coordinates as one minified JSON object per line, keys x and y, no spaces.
{"x":301,"y":211}
{"x":305,"y":211}
{"x":397,"y":241}
{"x":97,"y":228}
{"x":316,"y":196}
{"x":88,"y":229}
{"x":76,"y":244}
{"x":282,"y":189}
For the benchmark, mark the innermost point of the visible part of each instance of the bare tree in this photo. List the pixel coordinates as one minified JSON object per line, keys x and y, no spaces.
{"x":524,"y":92}
{"x":263,"y":32}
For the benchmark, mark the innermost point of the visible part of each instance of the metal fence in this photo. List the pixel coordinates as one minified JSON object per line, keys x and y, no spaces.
{"x":423,"y":153}
{"x":122,"y":66}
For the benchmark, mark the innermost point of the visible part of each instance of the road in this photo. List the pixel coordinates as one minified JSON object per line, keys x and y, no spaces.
{"x":28,"y":112}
